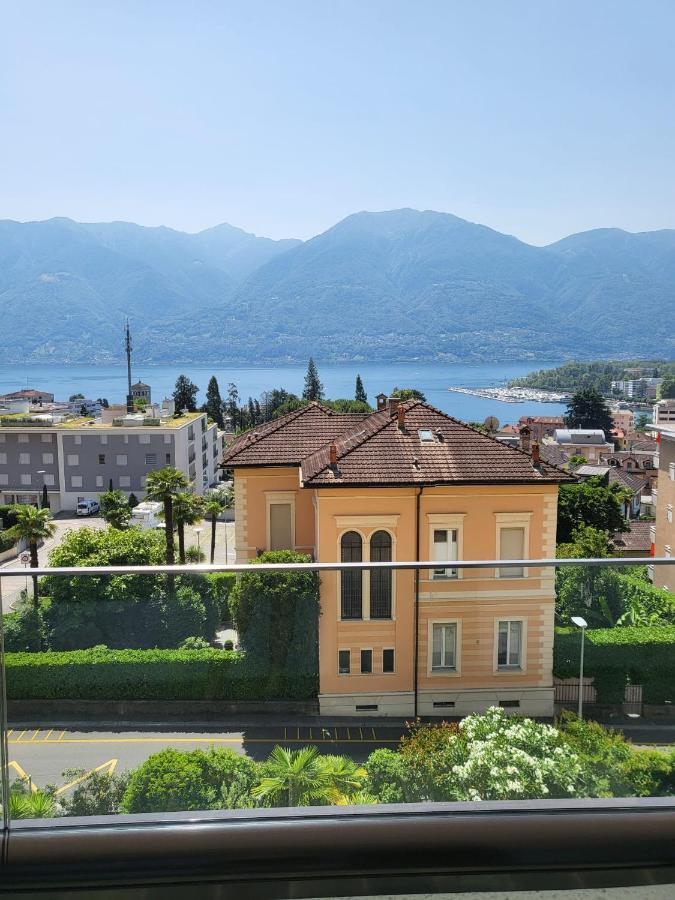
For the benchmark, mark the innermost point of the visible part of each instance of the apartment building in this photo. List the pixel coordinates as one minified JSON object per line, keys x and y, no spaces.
{"x":77,"y":458}
{"x":587,"y":442}
{"x":634,"y":388}
{"x":409,"y":482}
{"x":541,"y":426}
{"x":663,"y":529}
{"x":664,"y":412}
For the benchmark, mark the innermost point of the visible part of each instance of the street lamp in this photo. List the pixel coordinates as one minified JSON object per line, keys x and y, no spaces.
{"x":583,"y":624}
{"x":198,"y":531}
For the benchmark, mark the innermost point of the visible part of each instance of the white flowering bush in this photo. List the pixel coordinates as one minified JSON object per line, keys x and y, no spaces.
{"x":506,"y":758}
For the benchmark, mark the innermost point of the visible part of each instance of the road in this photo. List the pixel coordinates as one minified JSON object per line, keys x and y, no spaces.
{"x":43,"y":754}
{"x":12,"y":587}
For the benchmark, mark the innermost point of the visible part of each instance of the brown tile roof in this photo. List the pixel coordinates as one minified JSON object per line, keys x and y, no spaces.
{"x":542,"y":420}
{"x":554,"y":455}
{"x":378,"y":452}
{"x":286,"y":441}
{"x":634,"y":482}
{"x":638,"y":538}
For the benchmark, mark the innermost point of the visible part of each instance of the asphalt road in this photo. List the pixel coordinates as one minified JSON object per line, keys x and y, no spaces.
{"x":45,"y":753}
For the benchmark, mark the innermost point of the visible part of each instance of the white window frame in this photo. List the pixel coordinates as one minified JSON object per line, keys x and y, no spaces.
{"x":46,"y":438}
{"x":278,"y":497}
{"x":4,"y":478}
{"x":77,"y":439}
{"x":512,"y":520}
{"x":3,"y":459}
{"x":449,"y":522}
{"x":24,"y":459}
{"x":509,"y":669}
{"x":143,"y":438}
{"x":125,"y":481}
{"x":454,"y":672}
{"x":47,"y":459}
{"x":99,"y":481}
{"x":49,"y":480}
{"x":104,"y":438}
{"x":23,"y":439}
{"x":119,"y":457}
{"x":25,"y":479}
{"x":72,"y":459}
{"x":148,"y":463}
{"x":76,"y":481}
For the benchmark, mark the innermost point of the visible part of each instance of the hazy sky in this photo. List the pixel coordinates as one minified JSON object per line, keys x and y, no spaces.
{"x":536,"y":117}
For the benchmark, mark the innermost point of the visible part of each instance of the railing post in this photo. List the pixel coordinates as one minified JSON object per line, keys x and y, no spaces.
{"x":4,"y":746}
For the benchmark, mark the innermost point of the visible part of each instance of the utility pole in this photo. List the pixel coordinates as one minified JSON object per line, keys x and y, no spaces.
{"x":127,"y":346}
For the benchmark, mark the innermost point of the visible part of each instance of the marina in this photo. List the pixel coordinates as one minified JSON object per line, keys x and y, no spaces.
{"x":513,"y":395}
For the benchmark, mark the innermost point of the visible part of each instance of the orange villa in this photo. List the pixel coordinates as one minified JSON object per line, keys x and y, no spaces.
{"x":408,"y":483}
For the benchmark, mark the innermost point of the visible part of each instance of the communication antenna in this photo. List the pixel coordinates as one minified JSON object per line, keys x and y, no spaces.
{"x":492,"y":424}
{"x":127,"y":348}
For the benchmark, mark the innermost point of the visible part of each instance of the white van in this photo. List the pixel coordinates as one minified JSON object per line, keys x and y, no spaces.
{"x":88,"y":507}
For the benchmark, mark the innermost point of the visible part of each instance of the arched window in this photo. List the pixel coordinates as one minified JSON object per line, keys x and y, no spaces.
{"x":380,"y":579}
{"x":351,"y":581}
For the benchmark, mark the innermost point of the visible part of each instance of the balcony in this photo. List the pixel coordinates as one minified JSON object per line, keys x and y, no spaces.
{"x":316,"y":851}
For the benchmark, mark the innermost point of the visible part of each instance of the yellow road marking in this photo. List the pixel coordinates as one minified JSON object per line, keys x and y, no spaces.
{"x":21,"y":735}
{"x":349,"y":735}
{"x":373,"y":730}
{"x":20,"y":772}
{"x":61,"y":736}
{"x":10,"y":732}
{"x":35,"y":734}
{"x":46,"y":737}
{"x":110,"y":766}
{"x":361,"y":733}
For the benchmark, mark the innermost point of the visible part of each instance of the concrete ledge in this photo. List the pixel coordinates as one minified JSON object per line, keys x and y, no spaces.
{"x":151,"y":710}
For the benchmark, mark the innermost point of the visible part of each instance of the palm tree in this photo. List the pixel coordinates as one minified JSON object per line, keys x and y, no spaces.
{"x":187,"y":510}
{"x":33,"y":525}
{"x":294,"y":778}
{"x":212,"y":509}
{"x":163,"y":485}
{"x":36,"y":805}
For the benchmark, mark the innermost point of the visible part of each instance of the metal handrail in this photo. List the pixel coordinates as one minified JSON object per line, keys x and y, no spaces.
{"x":205,"y":568}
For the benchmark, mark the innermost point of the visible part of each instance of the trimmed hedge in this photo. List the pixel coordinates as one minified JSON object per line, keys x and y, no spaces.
{"x":101,"y":674}
{"x":616,"y":657}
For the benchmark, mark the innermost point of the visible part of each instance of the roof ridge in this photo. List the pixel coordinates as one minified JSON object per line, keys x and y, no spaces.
{"x":366,"y":437}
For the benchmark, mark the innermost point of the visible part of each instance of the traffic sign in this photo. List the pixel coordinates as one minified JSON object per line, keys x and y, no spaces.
{"x":25,"y":558}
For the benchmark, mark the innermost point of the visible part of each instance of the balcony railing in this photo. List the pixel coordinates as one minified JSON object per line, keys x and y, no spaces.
{"x":342,"y":850}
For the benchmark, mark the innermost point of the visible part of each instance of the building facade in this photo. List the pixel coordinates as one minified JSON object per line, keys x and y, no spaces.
{"x":410,"y":483}
{"x":664,"y":524}
{"x":77,"y":459}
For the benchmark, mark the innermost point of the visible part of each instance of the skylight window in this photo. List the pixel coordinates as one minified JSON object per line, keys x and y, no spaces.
{"x":426,"y":435}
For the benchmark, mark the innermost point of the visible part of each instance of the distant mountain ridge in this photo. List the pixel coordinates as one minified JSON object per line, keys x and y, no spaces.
{"x":397,"y":285}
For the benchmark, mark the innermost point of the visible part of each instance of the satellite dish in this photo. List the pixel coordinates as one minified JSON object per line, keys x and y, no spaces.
{"x":491,"y":423}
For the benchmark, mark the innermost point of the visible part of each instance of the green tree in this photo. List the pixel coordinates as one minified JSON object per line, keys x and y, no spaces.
{"x":163,"y":485}
{"x":224,"y":495}
{"x":276,"y":614}
{"x":305,"y":778}
{"x":33,"y":525}
{"x":187,"y":510}
{"x":214,"y":404}
{"x":360,"y":392}
{"x":232,"y":406}
{"x":577,"y":459}
{"x":31,"y":805}
{"x":100,"y":794}
{"x":590,"y":503}
{"x":667,"y":388}
{"x":313,"y":389}
{"x":115,"y":509}
{"x":408,"y":394}
{"x":175,"y":780}
{"x":587,"y":409}
{"x":642,"y":422}
{"x":185,"y":395}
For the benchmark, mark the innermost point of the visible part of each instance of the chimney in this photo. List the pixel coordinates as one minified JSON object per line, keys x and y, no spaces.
{"x":381,"y":402}
{"x":536,"y":461}
{"x":525,"y":438}
{"x":400,"y":414}
{"x":333,"y":454}
{"x":393,"y":405}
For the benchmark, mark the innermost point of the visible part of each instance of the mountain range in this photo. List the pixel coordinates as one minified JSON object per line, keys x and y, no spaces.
{"x":397,"y":285}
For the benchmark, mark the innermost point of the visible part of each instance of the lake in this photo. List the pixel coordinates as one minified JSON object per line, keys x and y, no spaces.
{"x":434,"y":379}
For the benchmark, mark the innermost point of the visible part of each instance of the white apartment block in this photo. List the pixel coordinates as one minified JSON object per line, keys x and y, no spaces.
{"x":77,"y":459}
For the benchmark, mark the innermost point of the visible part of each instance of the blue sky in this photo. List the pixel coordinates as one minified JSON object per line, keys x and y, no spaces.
{"x":536,"y":117}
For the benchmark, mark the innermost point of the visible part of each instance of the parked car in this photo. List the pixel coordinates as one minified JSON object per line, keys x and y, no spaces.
{"x":88,"y":507}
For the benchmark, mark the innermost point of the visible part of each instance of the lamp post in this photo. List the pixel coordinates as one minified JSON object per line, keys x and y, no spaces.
{"x":198,"y":531}
{"x":583,"y":624}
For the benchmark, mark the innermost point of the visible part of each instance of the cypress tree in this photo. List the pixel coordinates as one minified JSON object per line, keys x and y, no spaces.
{"x":360,"y":393}
{"x":185,"y":395}
{"x":214,"y":404}
{"x":313,"y":387}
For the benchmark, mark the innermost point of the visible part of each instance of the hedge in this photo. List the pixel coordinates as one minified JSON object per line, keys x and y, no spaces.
{"x":619,"y":656}
{"x":101,"y":674}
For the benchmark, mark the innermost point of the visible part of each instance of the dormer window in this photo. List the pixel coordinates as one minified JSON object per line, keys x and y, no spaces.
{"x":426,"y":435}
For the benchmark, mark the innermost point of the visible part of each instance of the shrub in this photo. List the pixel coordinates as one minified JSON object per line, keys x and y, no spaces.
{"x":276,"y":614}
{"x":195,"y":643}
{"x":616,"y":657}
{"x":8,"y":515}
{"x":149,"y":675}
{"x":100,"y":794}
{"x":24,"y":630}
{"x":6,"y":541}
{"x":174,"y":780}
{"x":386,"y":776}
{"x":221,"y":586}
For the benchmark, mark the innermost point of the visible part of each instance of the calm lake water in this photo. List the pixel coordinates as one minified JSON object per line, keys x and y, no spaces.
{"x":110,"y":381}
